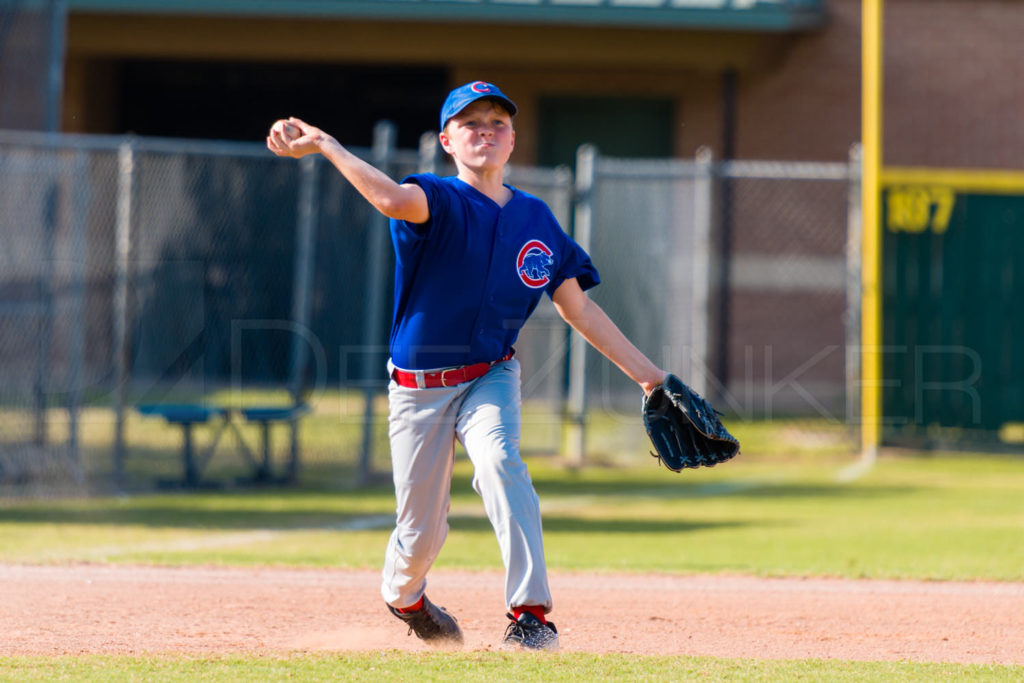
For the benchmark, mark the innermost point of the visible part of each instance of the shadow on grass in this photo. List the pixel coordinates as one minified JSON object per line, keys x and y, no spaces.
{"x":240,"y":520}
{"x":682,"y":489}
{"x":305,"y":509}
{"x":577,"y":525}
{"x":171,"y":517}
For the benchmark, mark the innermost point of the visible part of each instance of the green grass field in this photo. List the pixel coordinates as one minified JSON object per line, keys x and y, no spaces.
{"x":929,"y":518}
{"x":484,"y":668}
{"x":774,"y":511}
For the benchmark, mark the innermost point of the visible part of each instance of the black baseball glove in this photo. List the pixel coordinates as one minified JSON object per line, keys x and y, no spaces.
{"x":684,"y":428}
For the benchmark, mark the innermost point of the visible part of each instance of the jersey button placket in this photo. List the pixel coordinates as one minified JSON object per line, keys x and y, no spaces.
{"x":487,"y":312}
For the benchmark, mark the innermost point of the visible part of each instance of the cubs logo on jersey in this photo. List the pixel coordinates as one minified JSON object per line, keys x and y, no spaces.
{"x":534,"y":264}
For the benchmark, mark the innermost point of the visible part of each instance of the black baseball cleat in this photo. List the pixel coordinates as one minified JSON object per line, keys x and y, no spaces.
{"x":528,"y":633}
{"x":431,"y":623}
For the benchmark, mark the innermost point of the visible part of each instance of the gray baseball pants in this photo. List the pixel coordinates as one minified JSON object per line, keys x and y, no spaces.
{"x":484,"y":415}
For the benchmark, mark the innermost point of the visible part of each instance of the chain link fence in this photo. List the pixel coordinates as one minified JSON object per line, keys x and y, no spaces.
{"x":793,"y":252}
{"x":740,"y":277}
{"x":45,"y":296}
{"x":169,"y":308}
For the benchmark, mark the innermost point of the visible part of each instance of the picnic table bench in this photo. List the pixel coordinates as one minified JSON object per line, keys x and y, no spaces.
{"x":221,"y":418}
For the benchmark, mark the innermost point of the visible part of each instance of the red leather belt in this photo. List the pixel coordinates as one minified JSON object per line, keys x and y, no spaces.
{"x":449,"y":377}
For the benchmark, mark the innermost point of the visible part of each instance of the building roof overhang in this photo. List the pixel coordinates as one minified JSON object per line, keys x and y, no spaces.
{"x":777,"y":16}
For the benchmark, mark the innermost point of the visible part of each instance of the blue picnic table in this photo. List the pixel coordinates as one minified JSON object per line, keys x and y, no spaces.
{"x":220,"y":418}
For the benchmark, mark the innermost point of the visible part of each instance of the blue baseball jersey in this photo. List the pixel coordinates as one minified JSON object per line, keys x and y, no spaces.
{"x":467,"y":280}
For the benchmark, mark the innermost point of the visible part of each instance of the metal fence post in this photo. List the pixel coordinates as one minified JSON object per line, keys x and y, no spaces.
{"x":561,"y":201}
{"x":703,"y":208}
{"x":851,"y":319}
{"x":430,"y":153}
{"x":122,"y":264}
{"x":306,"y":220}
{"x":383,"y":151}
{"x":55,"y":64}
{"x":77,"y":331}
{"x":576,"y":409}
{"x":45,"y":287}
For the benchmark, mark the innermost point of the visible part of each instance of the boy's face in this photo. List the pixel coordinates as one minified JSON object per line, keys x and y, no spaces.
{"x":480,"y":136}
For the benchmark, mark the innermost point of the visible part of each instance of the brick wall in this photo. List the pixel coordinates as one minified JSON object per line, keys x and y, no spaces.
{"x":953,"y":78}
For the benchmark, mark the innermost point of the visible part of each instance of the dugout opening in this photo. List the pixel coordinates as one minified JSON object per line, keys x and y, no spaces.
{"x":233,"y":100}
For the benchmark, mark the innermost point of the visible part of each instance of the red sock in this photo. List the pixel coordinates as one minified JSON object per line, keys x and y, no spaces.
{"x":417,"y":606}
{"x":535,"y":610}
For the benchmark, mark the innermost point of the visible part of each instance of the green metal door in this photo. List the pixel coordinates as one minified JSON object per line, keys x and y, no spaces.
{"x":619,"y":126}
{"x":953,"y":315}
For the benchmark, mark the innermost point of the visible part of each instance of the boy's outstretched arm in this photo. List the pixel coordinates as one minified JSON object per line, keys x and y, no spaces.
{"x":405,"y":202}
{"x":590,"y":320}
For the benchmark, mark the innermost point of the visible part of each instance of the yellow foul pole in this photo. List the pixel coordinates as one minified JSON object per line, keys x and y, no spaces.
{"x":871,"y":247}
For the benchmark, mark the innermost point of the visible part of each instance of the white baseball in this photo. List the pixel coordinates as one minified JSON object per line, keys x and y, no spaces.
{"x":289,"y":131}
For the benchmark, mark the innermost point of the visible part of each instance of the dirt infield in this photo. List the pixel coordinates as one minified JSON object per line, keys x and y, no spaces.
{"x":147,"y":610}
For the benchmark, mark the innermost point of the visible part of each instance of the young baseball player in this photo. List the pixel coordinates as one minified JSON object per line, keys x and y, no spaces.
{"x":473,"y":258}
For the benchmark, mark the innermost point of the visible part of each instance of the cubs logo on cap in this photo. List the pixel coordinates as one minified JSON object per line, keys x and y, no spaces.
{"x":534,"y":264}
{"x":464,"y":95}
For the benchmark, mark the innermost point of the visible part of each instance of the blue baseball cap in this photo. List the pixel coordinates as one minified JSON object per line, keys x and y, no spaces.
{"x":464,"y":95}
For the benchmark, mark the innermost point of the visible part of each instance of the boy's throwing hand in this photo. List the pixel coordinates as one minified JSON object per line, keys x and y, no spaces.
{"x":294,"y":138}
